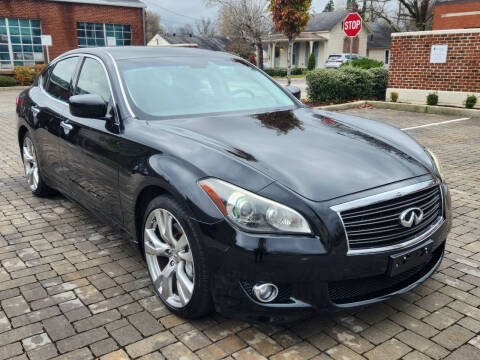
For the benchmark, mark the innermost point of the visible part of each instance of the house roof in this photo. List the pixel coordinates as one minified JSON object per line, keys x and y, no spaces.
{"x":380,"y":37}
{"x":216,"y":43}
{"x":325,"y":21}
{"x":125,"y":3}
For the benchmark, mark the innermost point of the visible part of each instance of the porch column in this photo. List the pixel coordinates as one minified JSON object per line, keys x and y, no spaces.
{"x":311,"y":48}
{"x":272,"y":59}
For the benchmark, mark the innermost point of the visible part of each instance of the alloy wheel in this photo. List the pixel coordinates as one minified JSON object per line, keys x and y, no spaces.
{"x":169,"y":258}
{"x":30,"y":163}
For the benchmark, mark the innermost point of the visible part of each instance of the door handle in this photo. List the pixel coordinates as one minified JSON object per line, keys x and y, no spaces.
{"x":66,"y":126}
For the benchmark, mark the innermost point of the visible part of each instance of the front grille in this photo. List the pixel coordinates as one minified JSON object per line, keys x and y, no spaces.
{"x":349,"y":291}
{"x":378,"y":225}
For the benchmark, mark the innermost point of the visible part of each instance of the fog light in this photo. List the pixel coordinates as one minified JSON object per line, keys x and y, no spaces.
{"x":265,"y":292}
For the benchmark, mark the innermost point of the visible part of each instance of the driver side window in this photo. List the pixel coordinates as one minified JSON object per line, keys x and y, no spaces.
{"x":93,"y":80}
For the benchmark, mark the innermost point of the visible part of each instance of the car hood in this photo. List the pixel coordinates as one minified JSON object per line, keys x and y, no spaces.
{"x":318,"y":155}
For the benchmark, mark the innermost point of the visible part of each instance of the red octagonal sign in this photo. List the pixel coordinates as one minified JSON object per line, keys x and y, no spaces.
{"x":352,"y":24}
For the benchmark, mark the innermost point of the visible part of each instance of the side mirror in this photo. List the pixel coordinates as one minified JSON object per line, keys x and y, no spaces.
{"x":295,"y":91}
{"x":88,"y":106}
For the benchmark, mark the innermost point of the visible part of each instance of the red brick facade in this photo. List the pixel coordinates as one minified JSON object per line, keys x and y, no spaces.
{"x":456,"y":14}
{"x":410,"y":66}
{"x":60,"y":19}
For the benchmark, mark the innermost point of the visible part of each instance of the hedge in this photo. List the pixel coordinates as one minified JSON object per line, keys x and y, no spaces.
{"x":283,"y":72}
{"x":346,"y":83}
{"x":7,"y":81}
{"x":365,"y":63}
{"x":380,"y":82}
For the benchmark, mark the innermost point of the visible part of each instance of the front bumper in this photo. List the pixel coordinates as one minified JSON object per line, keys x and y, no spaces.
{"x":310,"y":276}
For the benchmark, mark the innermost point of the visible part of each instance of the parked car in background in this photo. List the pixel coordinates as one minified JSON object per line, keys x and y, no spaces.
{"x":240,"y":198}
{"x":336,"y":60}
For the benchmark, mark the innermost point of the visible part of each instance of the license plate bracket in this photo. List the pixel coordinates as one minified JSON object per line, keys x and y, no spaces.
{"x":404,"y":261}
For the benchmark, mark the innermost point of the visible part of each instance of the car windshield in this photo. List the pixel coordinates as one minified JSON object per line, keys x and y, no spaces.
{"x":183,"y":86}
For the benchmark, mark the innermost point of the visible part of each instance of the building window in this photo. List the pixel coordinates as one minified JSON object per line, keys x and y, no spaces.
{"x":387,"y":56}
{"x":20,"y":43}
{"x":98,"y":34}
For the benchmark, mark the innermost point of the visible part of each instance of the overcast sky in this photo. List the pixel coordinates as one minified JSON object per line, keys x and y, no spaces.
{"x":180,"y":12}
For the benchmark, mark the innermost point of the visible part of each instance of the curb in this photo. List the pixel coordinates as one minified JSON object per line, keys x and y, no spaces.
{"x":428,"y":109}
{"x":11,"y":88}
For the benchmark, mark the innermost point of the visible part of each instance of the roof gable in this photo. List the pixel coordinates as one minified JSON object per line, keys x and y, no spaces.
{"x":325,"y":21}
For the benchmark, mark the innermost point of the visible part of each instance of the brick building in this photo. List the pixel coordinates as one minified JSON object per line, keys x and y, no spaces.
{"x":456,"y":14}
{"x":71,"y":23}
{"x":415,"y":71}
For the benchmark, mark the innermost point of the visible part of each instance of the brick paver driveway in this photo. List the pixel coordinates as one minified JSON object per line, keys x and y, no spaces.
{"x":74,"y":288}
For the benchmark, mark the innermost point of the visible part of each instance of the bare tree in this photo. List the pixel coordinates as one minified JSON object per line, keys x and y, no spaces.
{"x":246,"y":19}
{"x":400,"y":14}
{"x":153,"y":25}
{"x":206,"y":27}
{"x":186,"y":29}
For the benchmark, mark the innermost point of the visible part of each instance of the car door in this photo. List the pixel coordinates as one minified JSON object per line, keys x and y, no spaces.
{"x":48,"y":106}
{"x":89,"y":149}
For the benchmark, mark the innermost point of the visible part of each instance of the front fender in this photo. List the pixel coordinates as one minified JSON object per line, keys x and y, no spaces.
{"x":181,"y":180}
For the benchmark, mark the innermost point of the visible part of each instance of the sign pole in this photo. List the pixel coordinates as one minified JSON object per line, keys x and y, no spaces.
{"x":351,"y":27}
{"x":351,"y":49}
{"x":48,"y":54}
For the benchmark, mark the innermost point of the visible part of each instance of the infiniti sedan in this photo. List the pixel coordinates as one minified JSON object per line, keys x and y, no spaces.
{"x":240,"y":198}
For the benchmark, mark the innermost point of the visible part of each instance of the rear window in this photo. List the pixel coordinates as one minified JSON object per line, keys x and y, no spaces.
{"x":334,"y":57}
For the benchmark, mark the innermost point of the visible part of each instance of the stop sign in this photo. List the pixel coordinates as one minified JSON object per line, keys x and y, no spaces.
{"x":352,"y":24}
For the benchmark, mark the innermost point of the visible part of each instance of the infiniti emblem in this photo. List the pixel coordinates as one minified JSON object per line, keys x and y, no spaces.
{"x":411,"y":216}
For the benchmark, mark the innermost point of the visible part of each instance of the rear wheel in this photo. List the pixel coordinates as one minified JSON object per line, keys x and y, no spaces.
{"x":32,"y":170}
{"x":175,"y":259}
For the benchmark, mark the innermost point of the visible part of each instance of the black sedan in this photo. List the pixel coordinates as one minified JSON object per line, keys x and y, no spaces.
{"x":240,"y":198}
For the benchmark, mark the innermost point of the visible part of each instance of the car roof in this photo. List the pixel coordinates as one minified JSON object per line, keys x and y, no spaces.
{"x":138,"y":52}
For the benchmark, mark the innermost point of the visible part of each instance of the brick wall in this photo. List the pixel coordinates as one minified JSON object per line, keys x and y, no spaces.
{"x":456,"y":14}
{"x":410,"y":66}
{"x":60,"y":19}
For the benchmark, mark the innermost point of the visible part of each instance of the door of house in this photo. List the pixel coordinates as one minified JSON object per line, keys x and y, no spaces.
{"x":277,"y":56}
{"x":315,"y":51}
{"x":296,"y":53}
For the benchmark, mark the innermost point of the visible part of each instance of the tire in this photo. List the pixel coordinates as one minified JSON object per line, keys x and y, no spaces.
{"x":175,"y":259}
{"x":33,"y":173}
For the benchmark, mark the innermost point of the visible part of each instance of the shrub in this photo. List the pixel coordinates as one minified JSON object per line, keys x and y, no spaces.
{"x":394,"y":96}
{"x":311,"y":62}
{"x":358,"y":82}
{"x":327,"y":85}
{"x":432,"y":99}
{"x":297,"y":71}
{"x":7,"y":81}
{"x":471,"y":101}
{"x":25,"y":75}
{"x":365,"y":63}
{"x":380,"y":82}
{"x":276,"y":72}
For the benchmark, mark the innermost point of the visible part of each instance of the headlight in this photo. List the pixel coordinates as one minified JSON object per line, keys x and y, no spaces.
{"x":437,"y":163}
{"x":253,"y":213}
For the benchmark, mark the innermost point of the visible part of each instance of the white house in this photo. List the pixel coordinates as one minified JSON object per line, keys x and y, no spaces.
{"x":324,"y":36}
{"x":216,"y":43}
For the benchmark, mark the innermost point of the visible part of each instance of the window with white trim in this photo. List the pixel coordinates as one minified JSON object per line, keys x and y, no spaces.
{"x":99,"y":34}
{"x":20,"y":43}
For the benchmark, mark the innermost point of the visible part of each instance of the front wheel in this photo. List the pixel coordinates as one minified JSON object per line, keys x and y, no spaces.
{"x":175,"y":259}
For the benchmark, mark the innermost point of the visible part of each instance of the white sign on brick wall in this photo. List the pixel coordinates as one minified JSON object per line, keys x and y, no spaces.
{"x":438,"y":54}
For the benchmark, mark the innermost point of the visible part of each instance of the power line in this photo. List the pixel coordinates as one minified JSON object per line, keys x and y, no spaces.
{"x":176,"y":13}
